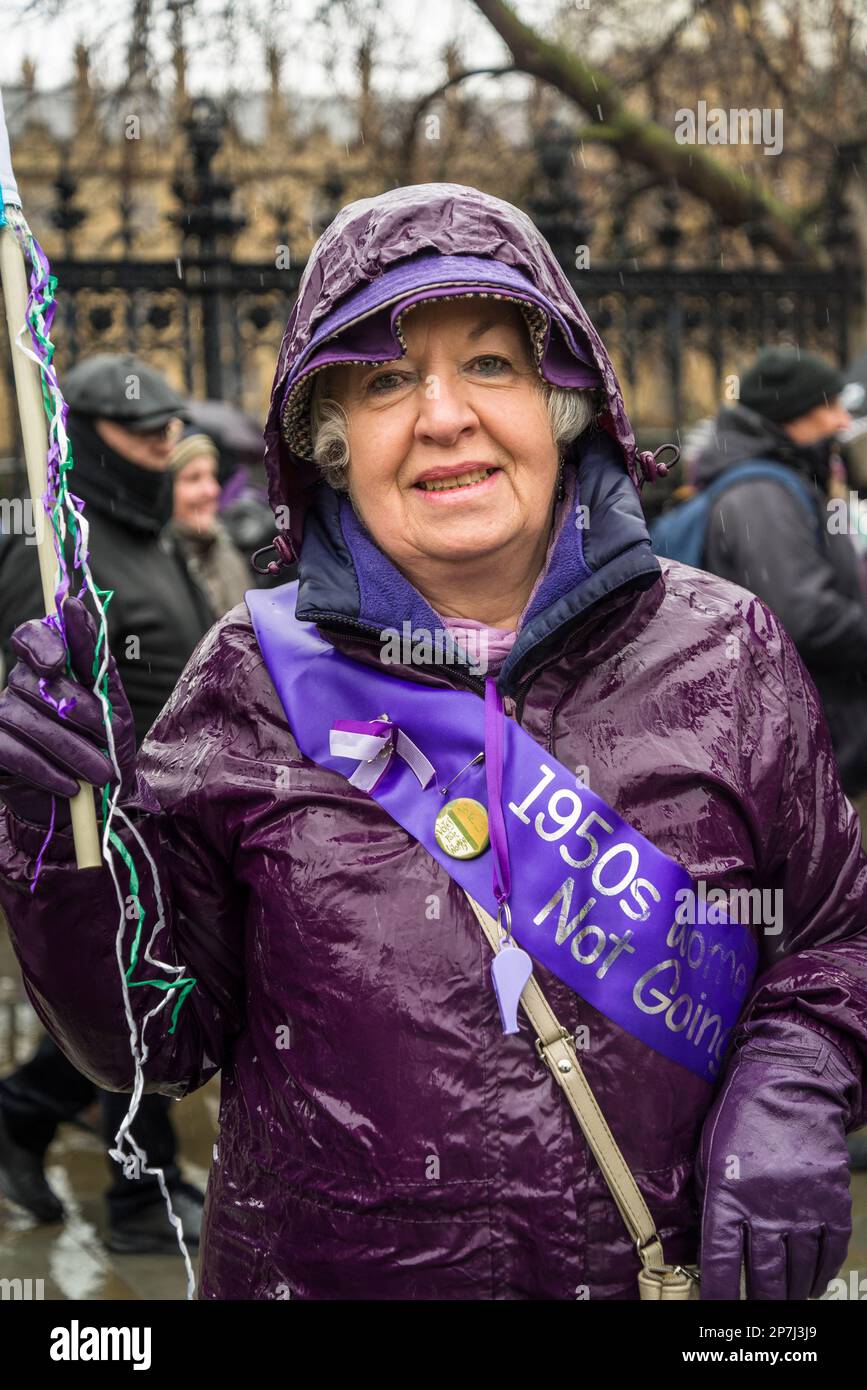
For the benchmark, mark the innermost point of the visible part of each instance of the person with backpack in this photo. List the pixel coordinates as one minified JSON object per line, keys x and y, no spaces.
{"x":760,"y":519}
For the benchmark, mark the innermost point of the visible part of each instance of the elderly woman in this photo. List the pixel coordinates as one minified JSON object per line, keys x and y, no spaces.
{"x":212,"y":558}
{"x":487,"y":747}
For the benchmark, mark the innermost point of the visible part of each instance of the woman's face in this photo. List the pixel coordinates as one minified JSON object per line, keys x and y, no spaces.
{"x":451,"y":451}
{"x":196,"y":495}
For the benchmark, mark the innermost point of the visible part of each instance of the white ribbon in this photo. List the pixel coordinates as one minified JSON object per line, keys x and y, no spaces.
{"x":373,"y":753}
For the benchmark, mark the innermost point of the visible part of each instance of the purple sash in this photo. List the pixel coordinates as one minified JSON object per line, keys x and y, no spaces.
{"x":592,"y":899}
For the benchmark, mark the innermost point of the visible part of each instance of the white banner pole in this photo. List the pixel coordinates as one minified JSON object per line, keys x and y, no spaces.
{"x":34,"y":432}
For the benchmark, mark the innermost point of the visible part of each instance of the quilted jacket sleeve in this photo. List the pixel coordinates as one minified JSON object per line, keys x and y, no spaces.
{"x":68,"y":932}
{"x":814,"y":970}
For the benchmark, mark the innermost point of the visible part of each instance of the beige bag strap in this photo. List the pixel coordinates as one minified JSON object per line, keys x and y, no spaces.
{"x":555,"y":1049}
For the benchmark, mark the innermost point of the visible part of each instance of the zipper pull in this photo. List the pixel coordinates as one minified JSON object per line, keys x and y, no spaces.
{"x":510,"y":709}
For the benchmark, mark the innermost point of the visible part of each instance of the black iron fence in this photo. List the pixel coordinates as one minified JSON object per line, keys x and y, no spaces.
{"x":676,"y":333}
{"x":222,"y":321}
{"x":210,"y":315}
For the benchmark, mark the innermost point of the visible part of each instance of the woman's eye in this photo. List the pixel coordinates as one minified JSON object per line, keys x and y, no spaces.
{"x":491,"y":365}
{"x":386,"y":381}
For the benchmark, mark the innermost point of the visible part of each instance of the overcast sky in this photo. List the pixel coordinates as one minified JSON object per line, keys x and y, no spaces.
{"x":47,"y":30}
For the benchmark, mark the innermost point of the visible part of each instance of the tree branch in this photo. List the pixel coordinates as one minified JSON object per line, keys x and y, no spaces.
{"x":408,"y":144}
{"x":763,"y":57}
{"x":650,"y":64}
{"x":735,"y":198}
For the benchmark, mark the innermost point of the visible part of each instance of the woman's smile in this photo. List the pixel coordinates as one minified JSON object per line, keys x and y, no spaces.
{"x":447,"y":486}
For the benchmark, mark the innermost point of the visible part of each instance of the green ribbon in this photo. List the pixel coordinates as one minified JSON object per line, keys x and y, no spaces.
{"x":62,"y":503}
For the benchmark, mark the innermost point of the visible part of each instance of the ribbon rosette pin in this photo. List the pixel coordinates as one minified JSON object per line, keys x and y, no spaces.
{"x":372,"y":743}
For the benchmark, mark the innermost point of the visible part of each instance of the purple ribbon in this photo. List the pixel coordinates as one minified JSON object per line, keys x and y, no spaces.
{"x":62,"y":706}
{"x":511,"y":967}
{"x":501,"y":869}
{"x":372,"y":743}
{"x":37,"y":868}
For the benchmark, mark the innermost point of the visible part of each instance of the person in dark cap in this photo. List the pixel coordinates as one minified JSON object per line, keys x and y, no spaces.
{"x":124,"y":420}
{"x":797,"y":390}
{"x":766,"y":537}
{"x":126,"y":391}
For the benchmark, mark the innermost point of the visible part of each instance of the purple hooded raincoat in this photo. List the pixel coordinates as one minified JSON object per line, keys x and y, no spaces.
{"x":379,"y":1136}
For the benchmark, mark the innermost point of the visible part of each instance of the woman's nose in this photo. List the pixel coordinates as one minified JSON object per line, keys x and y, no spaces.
{"x":444,"y":412}
{"x":208,"y":490}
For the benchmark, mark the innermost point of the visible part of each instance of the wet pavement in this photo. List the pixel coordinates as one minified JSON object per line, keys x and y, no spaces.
{"x":70,"y":1257}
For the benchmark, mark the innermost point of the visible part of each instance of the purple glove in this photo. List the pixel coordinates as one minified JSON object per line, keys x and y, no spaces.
{"x":773,"y":1168}
{"x":44,"y":752}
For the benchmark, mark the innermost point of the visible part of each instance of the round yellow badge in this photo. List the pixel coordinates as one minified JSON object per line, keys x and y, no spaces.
{"x":461,"y":828}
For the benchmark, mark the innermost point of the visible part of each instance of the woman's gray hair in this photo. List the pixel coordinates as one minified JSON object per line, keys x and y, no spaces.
{"x":569,"y":414}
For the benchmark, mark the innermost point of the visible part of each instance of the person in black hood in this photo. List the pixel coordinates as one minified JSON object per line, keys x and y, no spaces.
{"x":124,"y":418}
{"x":763,"y":536}
{"x":121,"y":451}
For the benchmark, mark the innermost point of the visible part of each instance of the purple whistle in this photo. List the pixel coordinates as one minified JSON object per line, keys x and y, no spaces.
{"x":510,"y":970}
